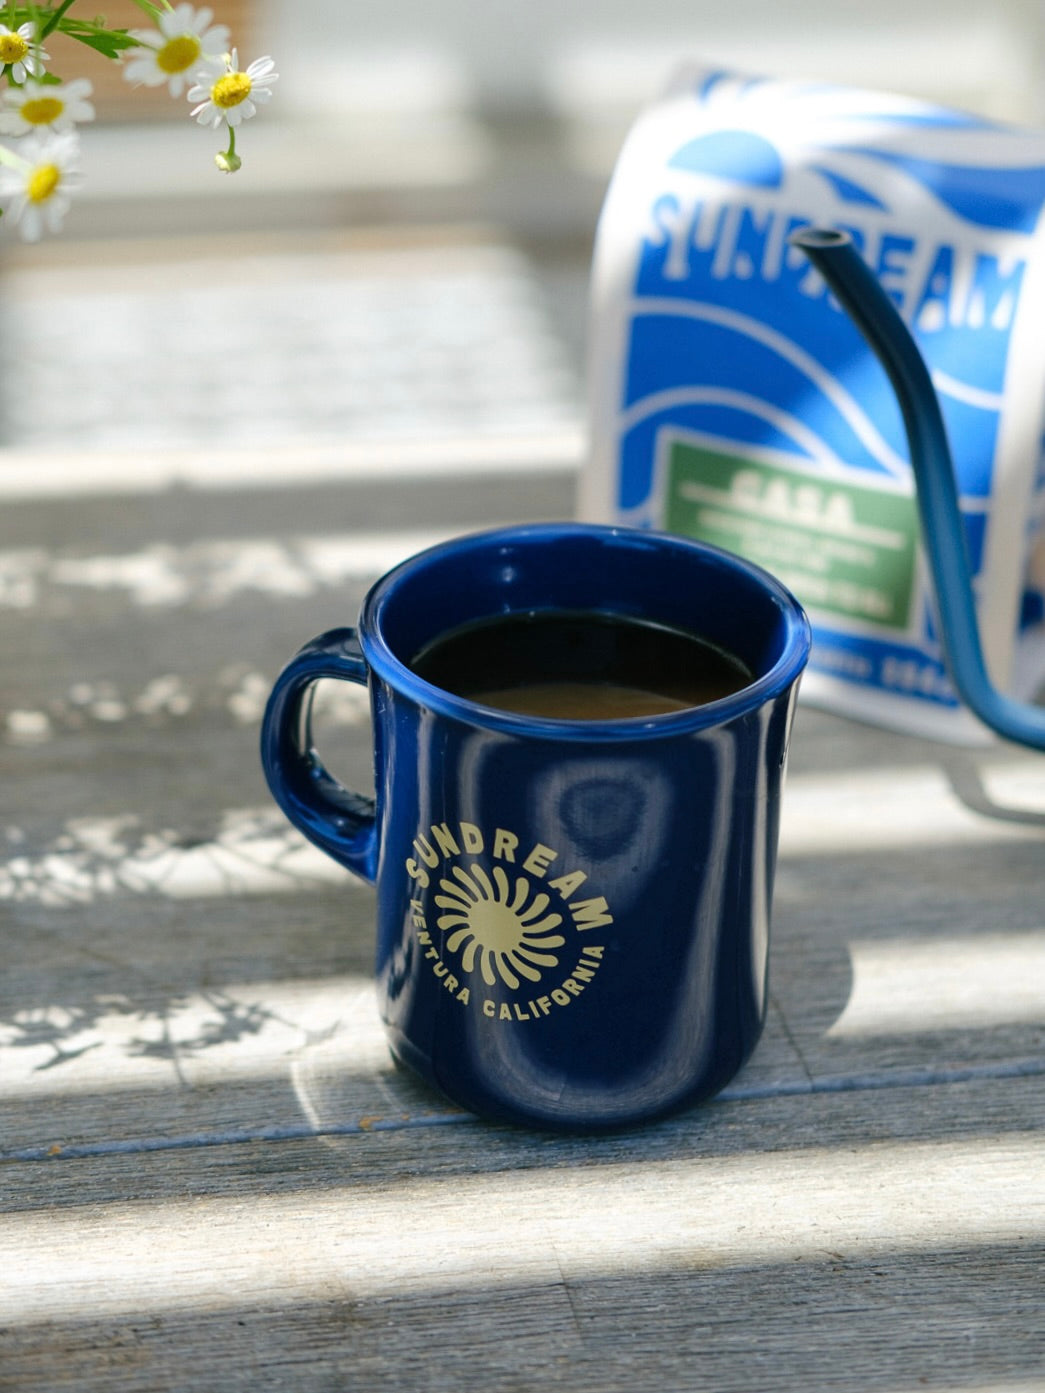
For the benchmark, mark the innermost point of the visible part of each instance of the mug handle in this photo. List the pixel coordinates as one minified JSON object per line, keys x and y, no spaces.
{"x":338,"y":821}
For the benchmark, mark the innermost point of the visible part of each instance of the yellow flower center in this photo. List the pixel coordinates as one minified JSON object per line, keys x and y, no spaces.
{"x":41,"y":111}
{"x":178,"y":53}
{"x":13,"y":48}
{"x":43,"y":181}
{"x":230,"y":90}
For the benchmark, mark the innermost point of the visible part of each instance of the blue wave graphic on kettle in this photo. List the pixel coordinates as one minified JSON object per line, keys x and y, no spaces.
{"x":987,"y":196}
{"x":801,"y":408}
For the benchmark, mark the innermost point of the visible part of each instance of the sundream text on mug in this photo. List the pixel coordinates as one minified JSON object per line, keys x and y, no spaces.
{"x":500,"y":917}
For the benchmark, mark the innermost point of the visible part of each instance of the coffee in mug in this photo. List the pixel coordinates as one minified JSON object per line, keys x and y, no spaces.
{"x":588,"y":666}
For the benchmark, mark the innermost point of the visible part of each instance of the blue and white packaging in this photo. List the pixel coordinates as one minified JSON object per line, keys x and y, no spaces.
{"x":732,"y":400}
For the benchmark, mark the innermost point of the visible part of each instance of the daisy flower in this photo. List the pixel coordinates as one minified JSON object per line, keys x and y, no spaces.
{"x":39,"y":181}
{"x":182,"y":38}
{"x":57,"y":105}
{"x":20,"y":53}
{"x":226,"y":94}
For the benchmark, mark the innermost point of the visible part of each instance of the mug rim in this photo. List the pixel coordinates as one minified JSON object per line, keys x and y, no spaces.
{"x":396,"y":673}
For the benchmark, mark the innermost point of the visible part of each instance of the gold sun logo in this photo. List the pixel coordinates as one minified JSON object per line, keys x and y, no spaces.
{"x":499,"y":924}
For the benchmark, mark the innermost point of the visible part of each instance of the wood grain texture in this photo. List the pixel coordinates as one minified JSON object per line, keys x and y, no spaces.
{"x":212,"y":1175}
{"x":830,"y":1242}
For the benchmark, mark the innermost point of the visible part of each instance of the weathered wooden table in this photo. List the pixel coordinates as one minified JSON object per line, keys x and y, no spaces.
{"x":214,"y":1178}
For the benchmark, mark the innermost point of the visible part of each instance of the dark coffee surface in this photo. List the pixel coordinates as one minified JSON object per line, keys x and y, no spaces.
{"x":580,"y":666}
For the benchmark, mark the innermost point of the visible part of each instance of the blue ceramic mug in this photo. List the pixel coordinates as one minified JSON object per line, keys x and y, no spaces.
{"x":572,"y":914}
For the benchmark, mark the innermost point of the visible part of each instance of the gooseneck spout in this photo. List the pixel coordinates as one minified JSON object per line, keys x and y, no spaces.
{"x":874,"y":314}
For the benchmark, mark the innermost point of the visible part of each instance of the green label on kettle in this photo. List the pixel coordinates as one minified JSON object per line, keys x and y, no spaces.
{"x":843,"y":548}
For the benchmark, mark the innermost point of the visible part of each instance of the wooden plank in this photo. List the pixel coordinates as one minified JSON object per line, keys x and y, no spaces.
{"x":160,"y":972}
{"x":802,"y":1242}
{"x":151,"y":947}
{"x":142,"y":844}
{"x":908,"y":921}
{"x":123,"y":520}
{"x":373,"y":351}
{"x":213,"y":1176}
{"x":130,"y":1020}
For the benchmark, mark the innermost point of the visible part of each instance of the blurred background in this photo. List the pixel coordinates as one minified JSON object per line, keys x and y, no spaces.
{"x":402,"y":261}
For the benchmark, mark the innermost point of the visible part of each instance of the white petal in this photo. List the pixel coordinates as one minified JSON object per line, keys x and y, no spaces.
{"x":30,"y":223}
{"x":54,"y":211}
{"x":144,"y":70}
{"x":215,"y":40}
{"x":236,"y":114}
{"x":180,"y":20}
{"x":212,"y":68}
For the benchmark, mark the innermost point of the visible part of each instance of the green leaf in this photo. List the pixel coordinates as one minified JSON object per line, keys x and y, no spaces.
{"x":49,"y":18}
{"x":55,"y":19}
{"x":110,"y":43}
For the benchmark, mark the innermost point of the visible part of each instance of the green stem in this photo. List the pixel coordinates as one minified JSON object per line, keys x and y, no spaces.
{"x":150,"y":10}
{"x":227,"y":160}
{"x":52,"y":23}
